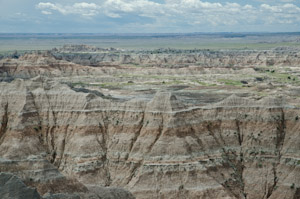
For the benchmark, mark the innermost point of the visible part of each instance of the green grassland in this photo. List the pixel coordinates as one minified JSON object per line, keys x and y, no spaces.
{"x":10,"y":43}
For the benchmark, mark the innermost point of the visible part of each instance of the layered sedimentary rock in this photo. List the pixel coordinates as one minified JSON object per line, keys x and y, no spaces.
{"x":235,"y":148}
{"x":178,"y":58}
{"x":71,"y":142}
{"x":31,"y":65}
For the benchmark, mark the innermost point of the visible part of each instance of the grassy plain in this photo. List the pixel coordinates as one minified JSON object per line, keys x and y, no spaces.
{"x":213,"y":41}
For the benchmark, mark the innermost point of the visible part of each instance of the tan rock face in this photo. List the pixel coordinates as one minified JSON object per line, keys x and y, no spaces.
{"x":63,"y":141}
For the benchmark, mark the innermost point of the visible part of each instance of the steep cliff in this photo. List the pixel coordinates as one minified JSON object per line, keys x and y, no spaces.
{"x":235,"y":148}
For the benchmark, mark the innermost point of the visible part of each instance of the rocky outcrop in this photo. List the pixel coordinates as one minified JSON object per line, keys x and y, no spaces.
{"x":172,"y":58}
{"x":82,"y":48}
{"x":11,"y":187}
{"x":34,"y":64}
{"x":194,"y":132}
{"x":59,"y":140}
{"x":47,"y":65}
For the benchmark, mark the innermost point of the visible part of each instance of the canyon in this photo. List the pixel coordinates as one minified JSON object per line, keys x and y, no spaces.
{"x":87,"y":122}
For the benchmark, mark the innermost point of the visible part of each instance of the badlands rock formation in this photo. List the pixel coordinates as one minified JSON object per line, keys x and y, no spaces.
{"x":178,"y":58}
{"x":123,"y":131}
{"x":12,"y":187}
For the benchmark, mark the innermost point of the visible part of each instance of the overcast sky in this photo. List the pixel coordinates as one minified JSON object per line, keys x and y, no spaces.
{"x":149,"y":16}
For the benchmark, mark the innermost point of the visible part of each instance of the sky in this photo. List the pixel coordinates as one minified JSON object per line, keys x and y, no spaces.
{"x":148,"y":16}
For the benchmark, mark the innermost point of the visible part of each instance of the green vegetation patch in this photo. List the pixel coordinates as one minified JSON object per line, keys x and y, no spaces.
{"x":283,"y":77}
{"x":204,"y":83}
{"x":230,"y":82}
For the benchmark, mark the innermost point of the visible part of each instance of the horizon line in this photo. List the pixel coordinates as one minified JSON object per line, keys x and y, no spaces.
{"x":112,"y":33}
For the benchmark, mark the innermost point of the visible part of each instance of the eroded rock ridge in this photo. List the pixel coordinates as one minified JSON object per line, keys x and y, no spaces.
{"x":183,"y":138}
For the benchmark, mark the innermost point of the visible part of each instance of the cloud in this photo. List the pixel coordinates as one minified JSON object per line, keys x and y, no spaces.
{"x":189,"y":12}
{"x":116,"y":8}
{"x":287,"y":1}
{"x":83,"y":8}
{"x":46,"y":12}
{"x":276,"y":1}
{"x":281,"y":14}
